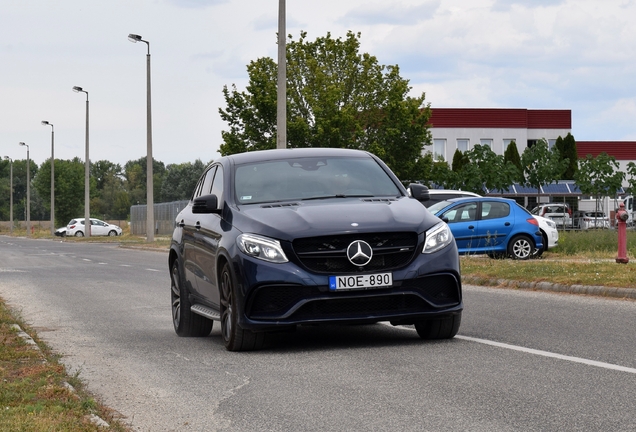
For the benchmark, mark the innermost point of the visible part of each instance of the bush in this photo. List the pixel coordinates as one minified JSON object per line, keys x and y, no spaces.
{"x":593,"y":241}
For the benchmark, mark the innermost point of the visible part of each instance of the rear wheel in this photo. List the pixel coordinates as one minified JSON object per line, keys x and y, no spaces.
{"x":539,"y":251}
{"x":521,"y":247}
{"x":439,"y":328}
{"x":186,"y":323}
{"x":79,"y":234}
{"x":234,"y":337}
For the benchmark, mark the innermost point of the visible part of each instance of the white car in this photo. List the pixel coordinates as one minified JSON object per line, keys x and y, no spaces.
{"x":98,"y":228}
{"x":549,"y":233}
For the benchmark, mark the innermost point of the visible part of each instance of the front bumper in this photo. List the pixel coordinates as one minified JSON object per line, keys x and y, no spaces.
{"x":275,"y":295}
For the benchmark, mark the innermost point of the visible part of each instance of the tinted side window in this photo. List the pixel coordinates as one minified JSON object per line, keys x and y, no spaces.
{"x":217,"y":185}
{"x":494,"y":210}
{"x":205,"y":183}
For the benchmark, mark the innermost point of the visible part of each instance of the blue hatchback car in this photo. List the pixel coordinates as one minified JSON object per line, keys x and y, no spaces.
{"x":497,"y":227}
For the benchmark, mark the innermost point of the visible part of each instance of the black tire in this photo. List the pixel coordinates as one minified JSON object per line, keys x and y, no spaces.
{"x":186,"y":323}
{"x":112,"y":233}
{"x":521,"y":247}
{"x":439,"y":328}
{"x":234,"y":337}
{"x":79,"y":234}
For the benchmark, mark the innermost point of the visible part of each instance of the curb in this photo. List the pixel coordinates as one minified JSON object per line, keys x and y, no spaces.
{"x":600,"y":291}
{"x":93,"y":418}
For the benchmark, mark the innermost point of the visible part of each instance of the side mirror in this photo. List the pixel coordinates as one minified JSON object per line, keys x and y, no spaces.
{"x":419,"y":192}
{"x":206,"y":204}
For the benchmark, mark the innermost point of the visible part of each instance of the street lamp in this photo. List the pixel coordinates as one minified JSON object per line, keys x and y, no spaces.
{"x":87,"y":212}
{"x":28,"y":215}
{"x":44,"y":122}
{"x":11,"y":189}
{"x":281,"y":95}
{"x":150,"y":208}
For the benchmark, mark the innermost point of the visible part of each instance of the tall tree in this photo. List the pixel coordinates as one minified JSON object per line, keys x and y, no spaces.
{"x":181,"y":179}
{"x":511,"y":155}
{"x":541,"y":166}
{"x":484,"y":171}
{"x":337,"y":97}
{"x":459,"y":160}
{"x":135,"y":180}
{"x":69,"y":188}
{"x":567,"y":149}
{"x":599,"y":176}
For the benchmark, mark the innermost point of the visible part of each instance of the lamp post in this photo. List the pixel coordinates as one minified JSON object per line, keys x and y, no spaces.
{"x":28,"y":203}
{"x":44,"y":122}
{"x":87,"y":212}
{"x":281,"y":95}
{"x":150,"y":207}
{"x":11,"y":192}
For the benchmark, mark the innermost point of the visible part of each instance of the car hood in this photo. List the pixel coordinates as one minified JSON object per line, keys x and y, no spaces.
{"x":287,"y":221}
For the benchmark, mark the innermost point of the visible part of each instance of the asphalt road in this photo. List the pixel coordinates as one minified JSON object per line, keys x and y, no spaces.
{"x":523,"y":361}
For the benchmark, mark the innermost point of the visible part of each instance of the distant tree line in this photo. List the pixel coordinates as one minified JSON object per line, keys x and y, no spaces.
{"x":113,"y":188}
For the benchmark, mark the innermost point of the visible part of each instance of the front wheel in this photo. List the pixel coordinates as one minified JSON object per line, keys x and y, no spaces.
{"x":186,"y":323}
{"x":234,"y":337}
{"x":439,"y":328}
{"x":112,"y":233}
{"x":520,"y":248}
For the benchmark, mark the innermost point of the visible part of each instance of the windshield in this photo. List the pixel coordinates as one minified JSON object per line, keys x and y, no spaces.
{"x":438,"y":206}
{"x":312,"y":178}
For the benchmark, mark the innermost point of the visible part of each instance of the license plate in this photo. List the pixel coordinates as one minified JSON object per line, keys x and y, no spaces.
{"x":378,"y":280}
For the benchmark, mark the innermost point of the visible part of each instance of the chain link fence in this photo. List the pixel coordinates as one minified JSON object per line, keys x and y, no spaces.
{"x":165,"y":215}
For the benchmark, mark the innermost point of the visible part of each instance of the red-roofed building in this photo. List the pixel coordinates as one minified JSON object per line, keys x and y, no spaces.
{"x":462,"y":128}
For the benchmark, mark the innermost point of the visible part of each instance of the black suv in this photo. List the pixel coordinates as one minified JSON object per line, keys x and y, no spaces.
{"x":279,"y":238}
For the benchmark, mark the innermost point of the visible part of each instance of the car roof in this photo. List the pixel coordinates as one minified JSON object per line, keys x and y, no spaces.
{"x":480,"y":198}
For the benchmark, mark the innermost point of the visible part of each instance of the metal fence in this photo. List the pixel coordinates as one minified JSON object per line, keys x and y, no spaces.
{"x":165,"y":215}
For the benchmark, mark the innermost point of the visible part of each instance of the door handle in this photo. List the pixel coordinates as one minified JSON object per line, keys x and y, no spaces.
{"x":181,"y":224}
{"x":471,"y":227}
{"x":197,"y":225}
{"x":507,"y":224}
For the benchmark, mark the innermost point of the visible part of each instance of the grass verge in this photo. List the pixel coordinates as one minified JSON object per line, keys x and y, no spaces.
{"x":35,"y":394}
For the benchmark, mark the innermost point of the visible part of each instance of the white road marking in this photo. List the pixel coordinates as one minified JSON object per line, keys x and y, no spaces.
{"x":550,"y":354}
{"x":155,"y":270}
{"x":539,"y":352}
{"x":86,"y":259}
{"x":125,"y":265}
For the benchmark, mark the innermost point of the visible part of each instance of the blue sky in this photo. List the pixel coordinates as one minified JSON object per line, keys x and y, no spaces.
{"x":568,"y":54}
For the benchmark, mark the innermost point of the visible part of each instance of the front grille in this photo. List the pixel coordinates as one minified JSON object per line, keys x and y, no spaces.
{"x":276,"y":302}
{"x":328,"y":254}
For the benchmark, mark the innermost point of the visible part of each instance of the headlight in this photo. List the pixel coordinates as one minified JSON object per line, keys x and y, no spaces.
{"x":437,"y":237}
{"x":261,"y":247}
{"x":550,"y":223}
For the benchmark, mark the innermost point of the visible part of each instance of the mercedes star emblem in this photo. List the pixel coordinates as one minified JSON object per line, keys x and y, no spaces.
{"x":359,"y":253}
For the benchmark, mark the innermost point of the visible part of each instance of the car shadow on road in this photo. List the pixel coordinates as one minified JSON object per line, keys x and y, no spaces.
{"x":337,"y":337}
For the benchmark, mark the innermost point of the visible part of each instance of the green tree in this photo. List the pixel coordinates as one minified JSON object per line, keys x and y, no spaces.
{"x":181,"y":179}
{"x":541,"y":166}
{"x":135,"y":180}
{"x":599,"y":176}
{"x":110,"y":200}
{"x":511,"y":155}
{"x":69,"y":188}
{"x":20,"y":191}
{"x":336,"y":97}
{"x":631,"y":170}
{"x":459,"y":160}
{"x":484,"y":171}
{"x":567,"y":149}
